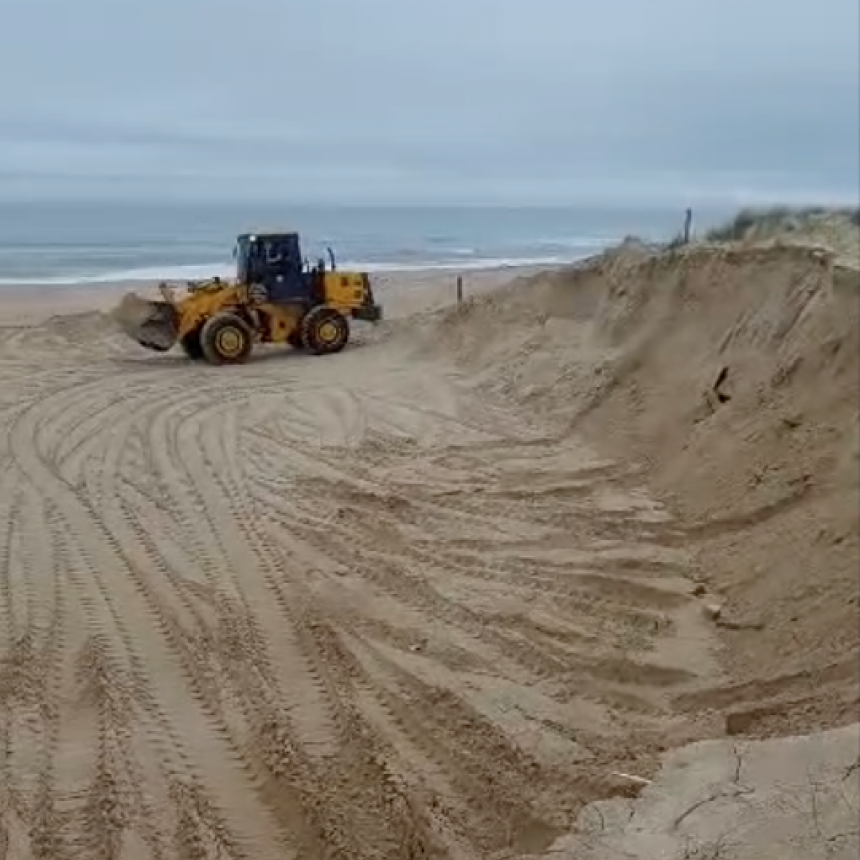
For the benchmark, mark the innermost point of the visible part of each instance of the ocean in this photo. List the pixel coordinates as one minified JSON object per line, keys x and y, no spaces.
{"x":85,"y":243}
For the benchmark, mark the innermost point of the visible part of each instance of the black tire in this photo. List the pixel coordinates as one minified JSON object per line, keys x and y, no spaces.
{"x":226,"y":339}
{"x":191,"y":345}
{"x":325,"y":331}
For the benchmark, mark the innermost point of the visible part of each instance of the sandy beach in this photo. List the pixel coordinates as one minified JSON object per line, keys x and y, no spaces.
{"x":434,"y":595}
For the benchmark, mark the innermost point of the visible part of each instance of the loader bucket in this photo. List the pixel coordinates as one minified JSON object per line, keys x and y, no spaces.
{"x":152,"y":324}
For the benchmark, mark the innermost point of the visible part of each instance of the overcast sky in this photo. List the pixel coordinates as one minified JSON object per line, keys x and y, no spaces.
{"x":413,"y":100}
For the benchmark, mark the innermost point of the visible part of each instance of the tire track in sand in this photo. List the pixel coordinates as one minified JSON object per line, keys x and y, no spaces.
{"x":423,"y":565}
{"x":410,"y":765}
{"x":359,"y":761}
{"x":364,"y":516}
{"x":225,"y":778}
{"x":235,"y":653}
{"x":299,"y":683}
{"x":42,"y":661}
{"x":207,"y":650}
{"x":260,"y":710}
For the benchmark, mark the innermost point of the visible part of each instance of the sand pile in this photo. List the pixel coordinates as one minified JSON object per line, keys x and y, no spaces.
{"x":730,"y":375}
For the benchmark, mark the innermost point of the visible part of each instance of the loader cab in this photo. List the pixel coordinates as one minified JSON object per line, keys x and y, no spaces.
{"x":275,"y":261}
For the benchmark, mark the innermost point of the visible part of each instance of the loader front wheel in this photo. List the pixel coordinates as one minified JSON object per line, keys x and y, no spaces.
{"x":324,"y":331}
{"x":226,"y":339}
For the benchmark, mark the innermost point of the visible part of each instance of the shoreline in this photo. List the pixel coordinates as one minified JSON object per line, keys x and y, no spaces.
{"x":199,"y":272}
{"x":401,"y":292}
{"x":442,"y":270}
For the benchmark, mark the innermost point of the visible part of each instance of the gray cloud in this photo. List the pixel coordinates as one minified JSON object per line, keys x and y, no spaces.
{"x":455,"y":99}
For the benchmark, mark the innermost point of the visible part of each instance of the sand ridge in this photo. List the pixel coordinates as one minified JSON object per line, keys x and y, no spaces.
{"x":730,"y":374}
{"x":410,"y":601}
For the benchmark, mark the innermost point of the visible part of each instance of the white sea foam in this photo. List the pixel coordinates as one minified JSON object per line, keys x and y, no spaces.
{"x":226,"y":270}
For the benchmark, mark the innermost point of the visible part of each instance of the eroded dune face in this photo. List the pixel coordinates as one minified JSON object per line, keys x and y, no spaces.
{"x":429,"y":597}
{"x":730,"y":373}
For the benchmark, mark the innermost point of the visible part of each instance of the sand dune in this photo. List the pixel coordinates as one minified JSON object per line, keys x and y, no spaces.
{"x":425,"y":598}
{"x":730,"y":376}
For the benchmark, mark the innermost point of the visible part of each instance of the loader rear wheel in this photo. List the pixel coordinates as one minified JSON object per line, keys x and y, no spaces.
{"x":324,"y":331}
{"x":226,"y":339}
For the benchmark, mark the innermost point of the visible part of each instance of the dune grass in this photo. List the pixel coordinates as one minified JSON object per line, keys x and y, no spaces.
{"x":779,"y":219}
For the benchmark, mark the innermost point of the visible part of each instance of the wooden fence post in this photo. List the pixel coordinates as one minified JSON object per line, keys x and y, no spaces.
{"x":459,"y":289}
{"x":688,"y":223}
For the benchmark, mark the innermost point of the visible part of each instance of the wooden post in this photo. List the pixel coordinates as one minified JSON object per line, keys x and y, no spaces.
{"x":459,"y":289}
{"x":688,"y":223}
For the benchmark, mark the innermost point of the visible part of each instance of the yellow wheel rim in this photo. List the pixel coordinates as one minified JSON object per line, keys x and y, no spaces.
{"x":230,"y":342}
{"x":328,"y":332}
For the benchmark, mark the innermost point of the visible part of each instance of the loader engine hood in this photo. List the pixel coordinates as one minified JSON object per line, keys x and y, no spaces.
{"x":153,"y":324}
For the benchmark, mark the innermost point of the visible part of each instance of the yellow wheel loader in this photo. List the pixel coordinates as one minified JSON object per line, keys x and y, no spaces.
{"x":275,"y":298}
